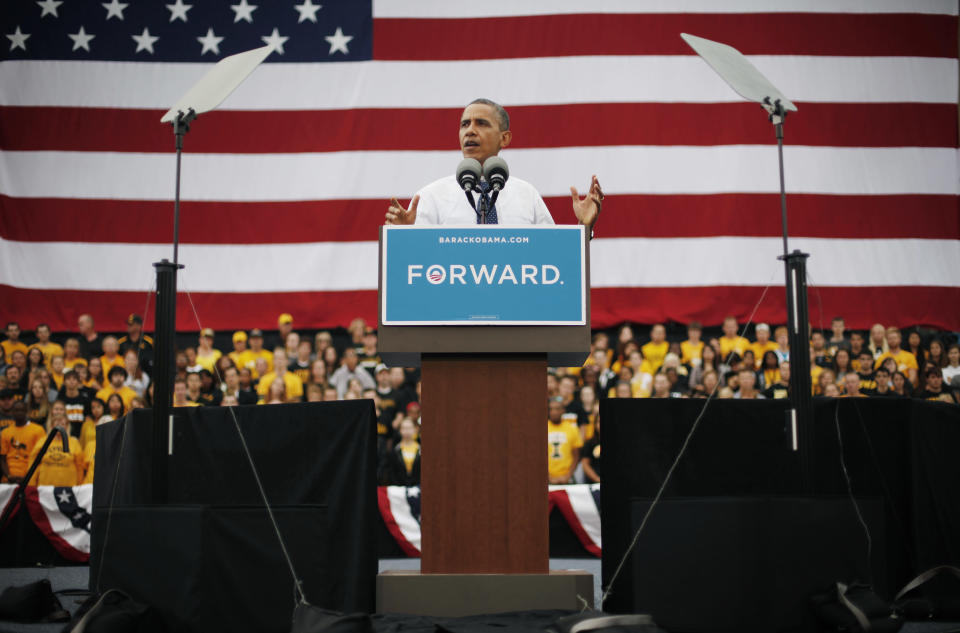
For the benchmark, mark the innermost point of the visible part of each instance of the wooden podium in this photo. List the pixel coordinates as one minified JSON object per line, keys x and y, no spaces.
{"x":484,"y":460}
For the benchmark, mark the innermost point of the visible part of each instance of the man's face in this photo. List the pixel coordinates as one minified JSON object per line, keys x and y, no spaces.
{"x":600,"y":359}
{"x":350,"y":359}
{"x":13,"y":375}
{"x":179,"y":390}
{"x":256,"y":343}
{"x":480,"y":133}
{"x":397,"y":377}
{"x":19,"y":412}
{"x":43,"y":334}
{"x":893,"y":338}
{"x":85,"y":324}
{"x":116,"y":379}
{"x":856,"y":340}
{"x":730,"y":327}
{"x":817,"y":341}
{"x":747,"y":379}
{"x":837,"y":328}
{"x":555,"y":412}
{"x":852,"y":383}
{"x":19,"y":360}
{"x":934,"y":381}
{"x":231,"y":377}
{"x":110,"y":346}
{"x":193,"y":382}
{"x":71,"y":382}
{"x":785,"y":371}
{"x":866,"y":362}
{"x":279,"y":359}
{"x":763,"y":335}
{"x":953,"y":355}
{"x":658,"y":333}
{"x":13,"y":331}
{"x":133,"y":330}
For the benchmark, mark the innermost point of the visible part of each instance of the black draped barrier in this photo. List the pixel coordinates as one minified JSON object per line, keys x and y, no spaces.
{"x":209,"y":558}
{"x":740,"y":541}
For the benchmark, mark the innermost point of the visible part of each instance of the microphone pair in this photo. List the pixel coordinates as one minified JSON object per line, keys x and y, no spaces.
{"x":494,"y":170}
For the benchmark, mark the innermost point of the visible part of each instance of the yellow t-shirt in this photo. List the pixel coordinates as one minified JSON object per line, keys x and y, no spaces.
{"x":108,"y":364}
{"x":69,"y":364}
{"x":209,"y":362}
{"x":9,"y":348}
{"x":736,"y":344}
{"x":759,"y":349}
{"x":89,"y":456}
{"x":58,"y":468}
{"x":88,"y":433}
{"x":562,"y":439}
{"x":49,"y":349}
{"x":126,"y":394}
{"x":654,"y":353}
{"x":250,"y":361}
{"x":290,"y":379}
{"x":689,"y":351}
{"x":905,"y":360}
{"x":16,"y":444}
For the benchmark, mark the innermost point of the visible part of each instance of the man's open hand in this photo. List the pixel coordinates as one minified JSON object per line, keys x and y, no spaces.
{"x":587,"y":209}
{"x":396,"y":214}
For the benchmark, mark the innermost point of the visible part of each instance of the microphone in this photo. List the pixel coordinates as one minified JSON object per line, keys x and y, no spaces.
{"x":468,"y":173}
{"x":496,"y":172}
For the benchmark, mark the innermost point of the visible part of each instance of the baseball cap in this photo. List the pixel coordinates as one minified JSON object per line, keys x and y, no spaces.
{"x":206,"y":332}
{"x":285,"y":318}
{"x":239,"y":335}
{"x":763,"y":326}
{"x":256,"y":333}
{"x":134,"y":318}
{"x":381,"y":367}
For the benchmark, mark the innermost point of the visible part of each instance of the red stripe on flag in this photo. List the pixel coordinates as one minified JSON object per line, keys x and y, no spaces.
{"x":595,"y":124}
{"x":562,"y":501}
{"x":151,"y":222}
{"x":659,"y":34}
{"x":383,"y":501}
{"x":860,"y":306}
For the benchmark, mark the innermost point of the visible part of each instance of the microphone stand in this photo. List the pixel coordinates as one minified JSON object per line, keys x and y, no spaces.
{"x":484,"y":206}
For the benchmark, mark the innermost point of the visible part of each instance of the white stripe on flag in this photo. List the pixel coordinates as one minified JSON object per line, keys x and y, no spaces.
{"x":531,"y":81}
{"x":344,"y":175}
{"x":584,"y":506}
{"x":400,"y":508}
{"x":77,"y":538}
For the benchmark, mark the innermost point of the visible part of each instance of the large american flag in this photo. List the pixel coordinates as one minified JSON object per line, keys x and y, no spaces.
{"x":285,"y":185}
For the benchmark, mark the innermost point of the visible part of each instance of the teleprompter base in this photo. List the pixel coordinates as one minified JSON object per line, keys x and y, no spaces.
{"x":455,"y":595}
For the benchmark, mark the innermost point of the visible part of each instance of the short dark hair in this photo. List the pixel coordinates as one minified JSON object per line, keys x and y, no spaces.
{"x":502,"y":117}
{"x":882,"y":370}
{"x":116,"y":369}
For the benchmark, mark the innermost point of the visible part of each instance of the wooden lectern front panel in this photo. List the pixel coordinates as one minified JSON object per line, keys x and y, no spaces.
{"x":484,"y":464}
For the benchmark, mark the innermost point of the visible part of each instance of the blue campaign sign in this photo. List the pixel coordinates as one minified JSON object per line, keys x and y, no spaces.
{"x":494,"y":275}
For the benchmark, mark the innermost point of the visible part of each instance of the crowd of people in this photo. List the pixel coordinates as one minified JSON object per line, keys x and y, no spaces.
{"x":84,"y":379}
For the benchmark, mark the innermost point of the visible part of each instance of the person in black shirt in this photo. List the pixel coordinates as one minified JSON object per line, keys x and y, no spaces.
{"x":210,"y":395}
{"x":590,"y":460}
{"x":934,"y":389}
{"x":402,"y":465}
{"x":138,"y":342}
{"x":90,"y":341}
{"x":882,"y":387}
{"x":76,"y":401}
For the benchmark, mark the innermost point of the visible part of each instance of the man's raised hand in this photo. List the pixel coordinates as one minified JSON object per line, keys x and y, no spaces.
{"x":396,"y":214}
{"x":588,"y":209}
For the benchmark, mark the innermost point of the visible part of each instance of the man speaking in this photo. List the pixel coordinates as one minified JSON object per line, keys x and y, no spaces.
{"x":484,"y":131}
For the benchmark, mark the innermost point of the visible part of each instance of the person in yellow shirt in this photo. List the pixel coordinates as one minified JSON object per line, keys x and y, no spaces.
{"x":71,"y":354}
{"x":89,"y":457}
{"x":12,"y":343}
{"x":207,"y":356}
{"x":57,"y":371}
{"x":16,"y":444}
{"x":45,"y":345}
{"x":117,"y":377}
{"x":763,"y":344}
{"x":906,"y":362}
{"x":255,"y":352}
{"x":731,"y":342}
{"x":692,"y":348}
{"x":240,"y":353}
{"x":294,"y":386}
{"x":111,"y":355}
{"x":655,"y":351}
{"x":59,"y":468}
{"x":563,"y":444}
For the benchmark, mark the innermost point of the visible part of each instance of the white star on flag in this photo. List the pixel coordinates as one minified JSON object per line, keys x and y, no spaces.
{"x":114,"y":8}
{"x":307,"y":11}
{"x":64,"y":496}
{"x":243,"y":11}
{"x":81,"y":39}
{"x":145,"y":41}
{"x":338,"y":42}
{"x":18,"y":39}
{"x":50,"y":7}
{"x":413,"y":492}
{"x":275,"y":41}
{"x":210,"y":42}
{"x":178,"y":10}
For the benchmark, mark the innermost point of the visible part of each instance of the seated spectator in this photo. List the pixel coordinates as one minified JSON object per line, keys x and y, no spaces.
{"x":934,"y":388}
{"x":349,"y":370}
{"x":210,"y":392}
{"x":402,"y":464}
{"x":276,"y":392}
{"x":915,"y":345}
{"x":769,"y":369}
{"x":692,"y":349}
{"x":731,"y":342}
{"x":851,"y":384}
{"x":38,"y":406}
{"x":865,"y":371}
{"x":747,"y":379}
{"x":590,"y":460}
{"x":831,"y":391}
{"x":606,"y":379}
{"x":857,"y":346}
{"x":882,"y":386}
{"x":782,"y":337}
{"x":180,"y":398}
{"x":95,"y":378}
{"x":35,"y":359}
{"x":780,"y":388}
{"x":818,"y":344}
{"x":936,"y":353}
{"x":906,"y":362}
{"x":901,"y":386}
{"x":71,"y":354}
{"x":563,"y":444}
{"x":115,"y":408}
{"x":878,"y":341}
{"x":98,"y":415}
{"x":763,"y":344}
{"x":656,"y":350}
{"x":368,"y":354}
{"x":137,"y":379}
{"x":239,"y":354}
{"x":57,"y":370}
{"x":315,"y":394}
{"x":207,"y":355}
{"x":118,"y":378}
{"x":111,"y":355}
{"x":292,"y":384}
{"x":838,"y":339}
{"x":825,"y":377}
{"x":57,"y":467}
{"x":591,"y":412}
{"x":952,"y":370}
{"x":708,"y":385}
{"x":17,"y":441}
{"x":301,"y":365}
{"x":842,"y":364}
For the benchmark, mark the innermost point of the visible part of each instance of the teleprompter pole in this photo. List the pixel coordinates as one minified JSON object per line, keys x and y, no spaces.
{"x":800,"y":422}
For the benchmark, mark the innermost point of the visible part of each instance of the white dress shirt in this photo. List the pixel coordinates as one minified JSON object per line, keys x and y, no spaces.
{"x":444,"y":202}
